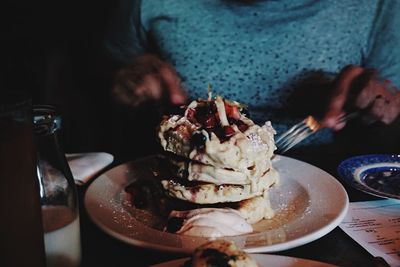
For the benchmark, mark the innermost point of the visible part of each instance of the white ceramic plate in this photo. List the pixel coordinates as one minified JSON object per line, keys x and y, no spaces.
{"x":309,"y":203}
{"x":263,"y":260}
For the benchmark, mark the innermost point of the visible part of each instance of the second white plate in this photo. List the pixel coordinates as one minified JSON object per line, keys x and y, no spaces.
{"x":263,"y":260}
{"x":309,"y":203}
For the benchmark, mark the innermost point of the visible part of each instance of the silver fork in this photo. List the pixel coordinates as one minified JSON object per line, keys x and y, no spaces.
{"x":302,"y":130}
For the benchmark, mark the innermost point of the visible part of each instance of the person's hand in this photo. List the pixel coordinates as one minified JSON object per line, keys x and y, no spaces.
{"x":360,"y":88}
{"x":148,"y":79}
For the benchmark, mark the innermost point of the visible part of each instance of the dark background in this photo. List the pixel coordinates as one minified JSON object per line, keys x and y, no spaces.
{"x":54,"y":50}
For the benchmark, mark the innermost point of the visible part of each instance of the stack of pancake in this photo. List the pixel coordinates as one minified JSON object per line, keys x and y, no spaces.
{"x":219,"y":156}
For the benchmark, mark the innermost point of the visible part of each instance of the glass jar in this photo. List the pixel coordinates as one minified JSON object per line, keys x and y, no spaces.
{"x":58,"y":194}
{"x":21,"y":232}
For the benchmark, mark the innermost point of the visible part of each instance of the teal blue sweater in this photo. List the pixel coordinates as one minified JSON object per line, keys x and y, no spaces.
{"x":278,"y":57}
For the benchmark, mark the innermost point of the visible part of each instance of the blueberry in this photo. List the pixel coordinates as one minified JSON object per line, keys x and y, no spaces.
{"x":198,"y":139}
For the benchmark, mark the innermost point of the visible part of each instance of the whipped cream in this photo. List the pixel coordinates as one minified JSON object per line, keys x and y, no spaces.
{"x":218,"y":176}
{"x":178,"y":141}
{"x":248,"y":152}
{"x":243,"y":150}
{"x":212,"y":222}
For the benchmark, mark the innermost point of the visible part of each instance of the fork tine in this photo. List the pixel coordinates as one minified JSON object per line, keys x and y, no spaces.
{"x":291,"y":137}
{"x":302,"y":130}
{"x":291,"y":142}
{"x":296,"y":134}
{"x":290,"y":132}
{"x":294,"y":139}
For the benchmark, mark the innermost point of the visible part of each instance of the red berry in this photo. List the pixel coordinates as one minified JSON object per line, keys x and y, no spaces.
{"x":229,"y":131}
{"x":232,"y":111}
{"x":210,"y":121}
{"x":191,"y":114}
{"x":242,"y":126}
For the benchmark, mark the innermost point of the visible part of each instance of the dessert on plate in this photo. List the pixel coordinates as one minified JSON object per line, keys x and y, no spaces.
{"x":220,"y":253}
{"x":220,"y":161}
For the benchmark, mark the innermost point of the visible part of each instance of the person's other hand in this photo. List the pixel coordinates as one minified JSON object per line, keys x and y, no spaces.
{"x":360,"y":88}
{"x":148,"y":79}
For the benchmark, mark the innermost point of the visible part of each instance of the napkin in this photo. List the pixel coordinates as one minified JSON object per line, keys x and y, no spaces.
{"x":85,"y":166}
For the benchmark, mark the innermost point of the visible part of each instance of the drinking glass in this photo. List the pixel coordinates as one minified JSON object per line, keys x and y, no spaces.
{"x":57,"y":192}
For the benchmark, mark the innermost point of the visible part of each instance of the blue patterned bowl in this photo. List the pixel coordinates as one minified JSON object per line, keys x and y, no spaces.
{"x":375,"y":174}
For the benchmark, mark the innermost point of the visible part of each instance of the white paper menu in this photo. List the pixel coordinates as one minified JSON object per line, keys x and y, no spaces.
{"x":375,"y":225}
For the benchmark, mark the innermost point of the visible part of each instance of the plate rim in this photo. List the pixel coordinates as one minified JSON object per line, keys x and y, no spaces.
{"x":259,"y":257}
{"x":309,"y":237}
{"x":350,"y":167}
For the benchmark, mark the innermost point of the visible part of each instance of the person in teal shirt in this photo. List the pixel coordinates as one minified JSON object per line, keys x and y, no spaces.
{"x":284,"y":59}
